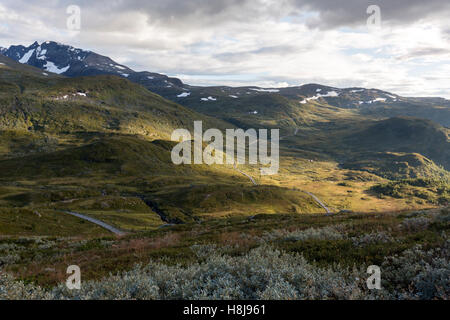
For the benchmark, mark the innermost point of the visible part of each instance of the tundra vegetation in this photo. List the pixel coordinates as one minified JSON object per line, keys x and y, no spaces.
{"x":287,"y":256}
{"x":100,"y":146}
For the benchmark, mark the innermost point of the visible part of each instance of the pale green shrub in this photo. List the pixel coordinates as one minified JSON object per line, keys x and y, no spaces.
{"x":129,"y":285}
{"x":9,"y":258}
{"x":262,"y":273}
{"x":419,"y":274}
{"x":9,"y":247}
{"x":17,"y":290}
{"x":415,"y":224}
{"x":325,"y":233}
{"x":372,"y":238}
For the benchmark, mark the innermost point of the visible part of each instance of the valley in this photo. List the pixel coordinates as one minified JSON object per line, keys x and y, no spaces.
{"x":104,"y":136}
{"x":87,"y":177}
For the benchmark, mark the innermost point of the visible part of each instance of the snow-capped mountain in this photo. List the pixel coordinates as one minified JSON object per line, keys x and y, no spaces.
{"x":73,"y":62}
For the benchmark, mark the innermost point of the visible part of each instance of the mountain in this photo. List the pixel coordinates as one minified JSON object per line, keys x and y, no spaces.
{"x":44,"y":103}
{"x":73,"y":62}
{"x":96,"y":139}
{"x":86,"y":142}
{"x":248,"y":103}
{"x":15,"y":70}
{"x":236,"y":104}
{"x":345,"y":123}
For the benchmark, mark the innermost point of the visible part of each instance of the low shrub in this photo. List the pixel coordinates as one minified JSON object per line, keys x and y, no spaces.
{"x":415,"y":224}
{"x":262,"y":273}
{"x":325,"y":233}
{"x":372,"y":238}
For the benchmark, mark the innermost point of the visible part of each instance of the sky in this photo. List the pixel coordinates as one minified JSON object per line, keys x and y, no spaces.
{"x":268,"y":43}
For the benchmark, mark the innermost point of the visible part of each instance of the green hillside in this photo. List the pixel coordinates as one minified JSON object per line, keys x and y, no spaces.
{"x":354,"y":188}
{"x":66,"y":141}
{"x":83,"y":143}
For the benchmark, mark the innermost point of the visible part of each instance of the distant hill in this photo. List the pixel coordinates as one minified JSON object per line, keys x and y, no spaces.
{"x":402,"y":134}
{"x":226,"y":102}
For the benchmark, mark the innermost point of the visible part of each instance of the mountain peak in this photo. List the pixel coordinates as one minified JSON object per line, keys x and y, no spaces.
{"x":69,"y":61}
{"x":64,"y":59}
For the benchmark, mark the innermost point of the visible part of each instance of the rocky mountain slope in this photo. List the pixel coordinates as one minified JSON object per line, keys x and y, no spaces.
{"x":74,"y":62}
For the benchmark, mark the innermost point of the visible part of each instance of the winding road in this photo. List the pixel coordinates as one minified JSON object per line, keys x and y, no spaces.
{"x":121,"y":233}
{"x":247,"y":175}
{"x":320,"y":203}
{"x":97,"y":222}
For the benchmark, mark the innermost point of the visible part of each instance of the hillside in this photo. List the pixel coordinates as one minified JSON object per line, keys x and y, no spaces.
{"x":402,"y":134}
{"x":72,"y":142}
{"x":94,"y":136}
{"x":87,"y":178}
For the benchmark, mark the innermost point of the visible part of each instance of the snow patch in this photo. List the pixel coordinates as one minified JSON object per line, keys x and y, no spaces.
{"x":266,"y":90}
{"x":40,"y":54}
{"x":234,"y":97}
{"x":184,"y":95}
{"x":26,"y":56}
{"x":208,"y":99}
{"x":51,"y":67}
{"x":317,"y":96}
{"x":330,"y":94}
{"x":374,"y":101}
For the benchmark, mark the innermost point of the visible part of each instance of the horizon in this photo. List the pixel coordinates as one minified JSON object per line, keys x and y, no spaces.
{"x":231,"y":86}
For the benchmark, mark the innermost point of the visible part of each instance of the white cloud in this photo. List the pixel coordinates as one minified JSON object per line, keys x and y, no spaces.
{"x":262,"y":42}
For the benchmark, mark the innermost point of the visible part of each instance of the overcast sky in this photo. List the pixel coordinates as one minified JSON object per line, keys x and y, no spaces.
{"x":255,"y":42}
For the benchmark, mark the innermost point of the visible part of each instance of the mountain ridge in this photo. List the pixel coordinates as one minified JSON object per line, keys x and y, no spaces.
{"x":72,"y":62}
{"x":238,"y":105}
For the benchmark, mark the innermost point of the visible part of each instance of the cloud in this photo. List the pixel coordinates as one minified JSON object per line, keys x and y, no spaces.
{"x":344,"y":13}
{"x":425,"y":52}
{"x":254,"y":42}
